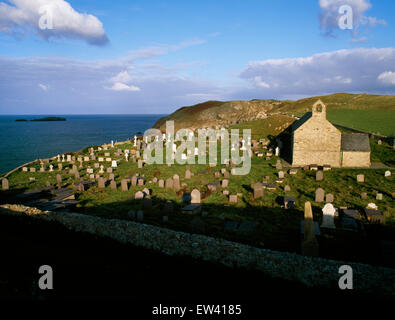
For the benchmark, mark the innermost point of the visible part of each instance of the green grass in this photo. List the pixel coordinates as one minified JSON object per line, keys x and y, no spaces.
{"x":373,"y":121}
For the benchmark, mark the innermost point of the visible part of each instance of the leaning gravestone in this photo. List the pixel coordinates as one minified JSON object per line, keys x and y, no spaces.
{"x":319,"y":176}
{"x":319,"y":195}
{"x":4,"y":184}
{"x":328,"y":216}
{"x":195,"y":196}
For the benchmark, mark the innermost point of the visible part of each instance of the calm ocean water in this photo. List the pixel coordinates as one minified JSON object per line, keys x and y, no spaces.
{"x":21,"y":142}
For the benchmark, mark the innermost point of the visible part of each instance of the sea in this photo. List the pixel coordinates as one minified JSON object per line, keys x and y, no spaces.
{"x":21,"y":142}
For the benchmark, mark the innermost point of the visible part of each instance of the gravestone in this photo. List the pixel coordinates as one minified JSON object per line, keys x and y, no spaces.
{"x":4,"y":184}
{"x":161,"y":183}
{"x":279,"y":166}
{"x":360,"y":178}
{"x":379,"y":196}
{"x":124,"y":185}
{"x":387,"y":174}
{"x":138,"y":195}
{"x":226,"y":174}
{"x":112,"y":177}
{"x":187,"y":174}
{"x":319,"y":176}
{"x":140,"y":181}
{"x":60,"y":166}
{"x":76,"y":175}
{"x":176,"y":182}
{"x":32,"y":169}
{"x":113,"y":185}
{"x":24,"y":169}
{"x":258,"y":190}
{"x":140,"y":164}
{"x":225,"y":183}
{"x":50,"y":168}
{"x":101,"y":183}
{"x":319,"y":195}
{"x":329,"y":198}
{"x":59,"y":179}
{"x":281,"y":174}
{"x":328,"y":215}
{"x":364,"y":195}
{"x":287,"y":188}
{"x":134,"y":181}
{"x":109,"y":170}
{"x":195,"y":196}
{"x":169,"y":183}
{"x":233,"y":198}
{"x":310,"y":244}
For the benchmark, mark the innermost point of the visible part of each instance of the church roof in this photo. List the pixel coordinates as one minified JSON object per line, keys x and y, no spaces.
{"x":355,"y":142}
{"x":301,"y":121}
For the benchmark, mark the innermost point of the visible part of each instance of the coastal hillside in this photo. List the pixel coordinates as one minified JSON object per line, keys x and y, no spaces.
{"x":213,"y":113}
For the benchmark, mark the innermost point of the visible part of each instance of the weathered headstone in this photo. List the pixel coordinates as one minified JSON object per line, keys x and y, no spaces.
{"x":233,"y":198}
{"x":279,"y":166}
{"x":101,"y":183}
{"x":134,"y":181}
{"x":360,"y":178}
{"x":113,"y":185}
{"x":387,"y":174}
{"x":195,"y":196}
{"x":281,"y":174}
{"x":187,"y":174}
{"x":58,"y":179}
{"x":138,"y":195}
{"x":319,"y":176}
{"x":287,"y":188}
{"x":319,"y":195}
{"x":328,"y":215}
{"x":310,"y":244}
{"x":176,"y":182}
{"x":329,"y":198}
{"x":4,"y":184}
{"x":161,"y":183}
{"x":124,"y":185}
{"x":224,"y":183}
{"x":169,"y":183}
{"x":364,"y":195}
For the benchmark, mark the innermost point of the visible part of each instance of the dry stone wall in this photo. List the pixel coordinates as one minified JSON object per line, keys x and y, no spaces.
{"x":312,"y":272}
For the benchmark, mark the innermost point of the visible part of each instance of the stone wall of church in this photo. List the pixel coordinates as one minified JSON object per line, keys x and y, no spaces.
{"x":316,"y":142}
{"x":355,"y":159}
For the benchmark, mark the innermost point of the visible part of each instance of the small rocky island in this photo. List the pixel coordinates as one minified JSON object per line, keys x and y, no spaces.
{"x":50,"y":119}
{"x":43,"y":119}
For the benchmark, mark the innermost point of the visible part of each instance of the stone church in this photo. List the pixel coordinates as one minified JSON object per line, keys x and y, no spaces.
{"x":316,"y":141}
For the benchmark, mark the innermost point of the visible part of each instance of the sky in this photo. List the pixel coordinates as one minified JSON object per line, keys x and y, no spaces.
{"x":152,"y":57}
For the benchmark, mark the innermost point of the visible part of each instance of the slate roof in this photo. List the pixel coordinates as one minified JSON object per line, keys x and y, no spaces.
{"x":301,"y":121}
{"x":355,"y":142}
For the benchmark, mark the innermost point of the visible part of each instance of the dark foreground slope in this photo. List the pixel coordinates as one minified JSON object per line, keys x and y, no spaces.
{"x":85,"y":266}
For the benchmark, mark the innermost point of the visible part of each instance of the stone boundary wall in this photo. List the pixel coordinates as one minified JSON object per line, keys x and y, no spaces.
{"x":312,"y":272}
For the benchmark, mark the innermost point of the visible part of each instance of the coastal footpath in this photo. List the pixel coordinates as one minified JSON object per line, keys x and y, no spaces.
{"x":312,"y":272}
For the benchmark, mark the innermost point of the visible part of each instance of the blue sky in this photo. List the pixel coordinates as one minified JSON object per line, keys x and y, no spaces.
{"x":155,"y":56}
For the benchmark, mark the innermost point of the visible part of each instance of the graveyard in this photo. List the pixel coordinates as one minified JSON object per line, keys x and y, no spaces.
{"x":263,"y":209}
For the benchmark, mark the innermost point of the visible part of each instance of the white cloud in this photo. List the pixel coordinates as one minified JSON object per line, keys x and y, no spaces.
{"x":123,"y":76}
{"x":353,"y":70}
{"x":118,"y":86}
{"x":24,"y":15}
{"x":329,"y":15}
{"x":43,"y":87}
{"x":387,"y":77}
